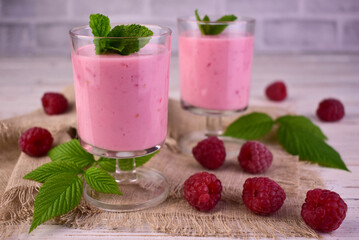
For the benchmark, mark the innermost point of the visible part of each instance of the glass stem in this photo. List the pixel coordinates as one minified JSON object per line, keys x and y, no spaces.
{"x":214,"y":126}
{"x":126,"y":170}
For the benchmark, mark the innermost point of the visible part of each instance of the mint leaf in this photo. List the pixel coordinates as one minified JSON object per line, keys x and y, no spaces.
{"x":57,"y":196}
{"x":42,"y":173}
{"x":302,"y":123}
{"x":251,"y":126}
{"x":108,"y":164}
{"x":217,"y":29}
{"x":126,"y":46}
{"x":131,"y":37}
{"x":73,"y":152}
{"x":309,"y":145}
{"x":101,"y":181}
{"x":227,"y":18}
{"x":100,"y":26}
{"x":202,"y":27}
{"x":208,"y":29}
{"x":126,"y":164}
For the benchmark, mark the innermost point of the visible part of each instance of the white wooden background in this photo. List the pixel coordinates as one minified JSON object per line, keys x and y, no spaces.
{"x":310,"y":78}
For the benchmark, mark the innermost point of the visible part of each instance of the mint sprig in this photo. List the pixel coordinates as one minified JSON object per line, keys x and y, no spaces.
{"x":208,"y":29}
{"x":101,"y":27}
{"x":297,"y":134}
{"x":130,"y":38}
{"x":64,"y":176}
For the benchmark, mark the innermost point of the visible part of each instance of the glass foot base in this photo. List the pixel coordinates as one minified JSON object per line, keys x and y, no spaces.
{"x":148,"y":189}
{"x":232,"y":145}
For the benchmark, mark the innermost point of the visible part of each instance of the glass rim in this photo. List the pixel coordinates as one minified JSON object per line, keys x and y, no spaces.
{"x":72,"y":32}
{"x":240,"y":19}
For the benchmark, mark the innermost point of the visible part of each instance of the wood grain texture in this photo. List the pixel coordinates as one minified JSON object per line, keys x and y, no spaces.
{"x":309,"y":79}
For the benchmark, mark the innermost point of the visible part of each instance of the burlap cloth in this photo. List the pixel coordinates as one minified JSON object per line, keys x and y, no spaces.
{"x":174,"y":216}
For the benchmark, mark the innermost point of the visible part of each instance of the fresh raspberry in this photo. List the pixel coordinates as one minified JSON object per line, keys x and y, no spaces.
{"x":276,"y":91}
{"x":330,"y":110}
{"x":36,"y":141}
{"x":202,"y":191}
{"x":254,"y":157}
{"x":54,"y":103}
{"x":323,"y":210}
{"x":262,"y":195}
{"x":210,"y":153}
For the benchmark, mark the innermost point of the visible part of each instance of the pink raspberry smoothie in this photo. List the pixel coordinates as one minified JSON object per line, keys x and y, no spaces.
{"x":121,"y":101}
{"x":215,"y":70}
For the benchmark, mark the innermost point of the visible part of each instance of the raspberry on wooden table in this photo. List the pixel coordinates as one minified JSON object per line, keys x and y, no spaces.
{"x":254,"y":157}
{"x":210,"y":153}
{"x":262,"y":195}
{"x":276,"y":91}
{"x":54,"y":103}
{"x":330,"y":110}
{"x":36,"y":141}
{"x":323,"y":210}
{"x":202,"y":191}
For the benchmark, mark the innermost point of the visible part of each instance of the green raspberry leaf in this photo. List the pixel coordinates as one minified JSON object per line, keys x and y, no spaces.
{"x":299,"y":137}
{"x":101,"y":181}
{"x":101,"y":27}
{"x":73,"y":152}
{"x":133,"y":43}
{"x":48,"y":170}
{"x":251,"y":126}
{"x":207,"y":29}
{"x":108,"y":164}
{"x":302,"y":123}
{"x":127,"y":164}
{"x":57,"y":196}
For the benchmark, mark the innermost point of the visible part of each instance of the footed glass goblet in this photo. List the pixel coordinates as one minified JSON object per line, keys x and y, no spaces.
{"x":122,"y":106}
{"x":215,"y":73}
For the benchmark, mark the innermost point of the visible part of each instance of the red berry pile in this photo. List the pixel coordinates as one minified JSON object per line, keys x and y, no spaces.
{"x":54,"y":103}
{"x":323,"y":210}
{"x":36,"y":142}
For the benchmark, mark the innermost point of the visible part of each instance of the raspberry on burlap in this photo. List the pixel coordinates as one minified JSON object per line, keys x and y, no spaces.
{"x":210,"y":153}
{"x":202,"y":191}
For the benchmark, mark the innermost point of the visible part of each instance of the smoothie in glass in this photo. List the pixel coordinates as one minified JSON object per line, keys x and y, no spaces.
{"x":215,"y":70}
{"x":121,"y":101}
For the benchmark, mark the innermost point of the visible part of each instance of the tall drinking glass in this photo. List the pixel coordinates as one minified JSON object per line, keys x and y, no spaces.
{"x":215,"y":73}
{"x":122,"y":106}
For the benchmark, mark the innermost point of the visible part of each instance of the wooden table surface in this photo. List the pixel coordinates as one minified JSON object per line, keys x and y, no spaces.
{"x":309,"y":78}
